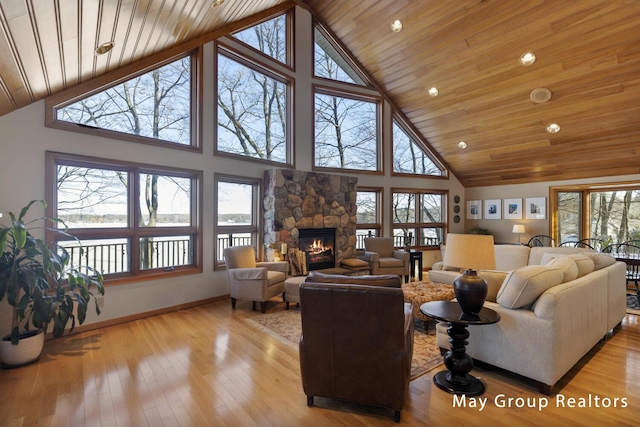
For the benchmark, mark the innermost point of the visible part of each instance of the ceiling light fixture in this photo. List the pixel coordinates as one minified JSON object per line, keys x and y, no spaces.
{"x":396,"y":26}
{"x":540,"y":95}
{"x":217,"y":3}
{"x":553,"y":128}
{"x":462,"y":145}
{"x":103,"y":48}
{"x":434,"y":91}
{"x":528,"y":58}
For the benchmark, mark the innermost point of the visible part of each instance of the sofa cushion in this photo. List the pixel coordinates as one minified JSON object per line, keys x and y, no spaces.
{"x":354,"y":262}
{"x":524,"y":285}
{"x":568,"y":267}
{"x":387,"y":280}
{"x":584,"y":263}
{"x":600,"y":260}
{"x":390,"y":262}
{"x":494,"y":281}
{"x":510,"y":257}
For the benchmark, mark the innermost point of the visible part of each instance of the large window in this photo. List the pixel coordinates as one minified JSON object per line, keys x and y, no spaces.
{"x":418,"y":217}
{"x":368,"y":213}
{"x":237,"y":213}
{"x":130,"y":219}
{"x":608,"y":213}
{"x":346,"y":131}
{"x":410,"y":156}
{"x":253,"y":109}
{"x":154,"y":107}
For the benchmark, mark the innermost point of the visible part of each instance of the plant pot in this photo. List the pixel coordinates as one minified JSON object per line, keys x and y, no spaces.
{"x":27,"y":351}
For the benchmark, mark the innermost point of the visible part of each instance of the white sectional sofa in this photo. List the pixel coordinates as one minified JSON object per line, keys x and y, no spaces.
{"x":555,"y":304}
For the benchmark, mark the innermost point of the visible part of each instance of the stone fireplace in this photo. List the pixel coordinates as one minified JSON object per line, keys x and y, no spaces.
{"x":297,"y":200}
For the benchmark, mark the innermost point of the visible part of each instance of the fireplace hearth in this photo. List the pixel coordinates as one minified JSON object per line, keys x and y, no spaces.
{"x":318,"y":244}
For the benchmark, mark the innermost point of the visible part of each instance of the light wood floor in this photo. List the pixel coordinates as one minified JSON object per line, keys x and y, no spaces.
{"x":206,"y":366}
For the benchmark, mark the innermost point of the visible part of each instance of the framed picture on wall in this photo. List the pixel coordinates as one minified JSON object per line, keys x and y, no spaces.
{"x":536,"y":208}
{"x":512,"y":208}
{"x":474,"y":209}
{"x":493,"y":209}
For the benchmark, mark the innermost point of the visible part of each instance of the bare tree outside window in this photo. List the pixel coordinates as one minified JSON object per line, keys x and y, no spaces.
{"x":345,"y":133}
{"x":269,"y":37}
{"x":409,"y":157}
{"x":615,"y":215}
{"x":328,"y":63}
{"x":154,"y":105}
{"x":252,"y":112}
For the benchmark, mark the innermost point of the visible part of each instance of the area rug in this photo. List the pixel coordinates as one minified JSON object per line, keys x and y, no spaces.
{"x":632,"y":304}
{"x":286,"y":326}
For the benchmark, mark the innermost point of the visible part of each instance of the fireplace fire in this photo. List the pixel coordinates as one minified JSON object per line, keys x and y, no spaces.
{"x":319,"y":246}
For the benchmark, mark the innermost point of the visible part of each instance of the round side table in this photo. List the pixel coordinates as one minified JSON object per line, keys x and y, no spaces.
{"x":457,"y":380}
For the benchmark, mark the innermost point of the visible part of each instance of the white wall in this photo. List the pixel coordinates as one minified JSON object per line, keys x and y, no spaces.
{"x":501,"y":229}
{"x":24,"y":140}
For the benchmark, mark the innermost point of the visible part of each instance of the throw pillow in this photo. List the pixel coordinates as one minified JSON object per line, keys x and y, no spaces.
{"x":600,"y":260}
{"x":494,"y":279}
{"x":549,"y":256}
{"x":584,"y":263}
{"x":524,"y":285}
{"x":567,"y":266}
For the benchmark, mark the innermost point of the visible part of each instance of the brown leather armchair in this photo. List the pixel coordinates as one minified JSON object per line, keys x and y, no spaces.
{"x":356,"y":343}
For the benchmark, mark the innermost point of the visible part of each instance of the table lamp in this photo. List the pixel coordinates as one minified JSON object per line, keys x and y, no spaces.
{"x":470,"y":252}
{"x":518,"y":229}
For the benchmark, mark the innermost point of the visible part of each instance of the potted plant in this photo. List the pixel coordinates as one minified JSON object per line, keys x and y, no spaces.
{"x":41,"y":286}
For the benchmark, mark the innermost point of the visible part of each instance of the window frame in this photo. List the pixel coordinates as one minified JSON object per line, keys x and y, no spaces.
{"x":413,"y":135}
{"x":133,"y":231}
{"x":418,"y":225}
{"x":255,"y":228}
{"x":357,"y":96}
{"x":227,"y":50}
{"x":124,"y":74}
{"x":586,"y":191}
{"x":342,"y":51}
{"x":289,"y":17}
{"x":377,"y":226}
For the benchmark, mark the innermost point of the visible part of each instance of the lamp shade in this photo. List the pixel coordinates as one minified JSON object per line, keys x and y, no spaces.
{"x":470,"y":251}
{"x":518,"y":228}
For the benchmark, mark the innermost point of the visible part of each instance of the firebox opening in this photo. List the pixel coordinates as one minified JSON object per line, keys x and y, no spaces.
{"x":318,"y":244}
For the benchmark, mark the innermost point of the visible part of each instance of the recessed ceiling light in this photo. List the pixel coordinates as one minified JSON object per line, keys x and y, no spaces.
{"x":462,"y":145}
{"x":528,"y":58}
{"x":103,"y":48}
{"x":396,"y":26}
{"x":433,"y":91}
{"x":553,"y":128}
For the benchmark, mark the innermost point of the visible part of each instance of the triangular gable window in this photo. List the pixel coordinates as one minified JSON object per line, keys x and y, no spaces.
{"x":268,"y":37}
{"x":330,"y":64}
{"x":154,"y":105}
{"x":410,"y":157}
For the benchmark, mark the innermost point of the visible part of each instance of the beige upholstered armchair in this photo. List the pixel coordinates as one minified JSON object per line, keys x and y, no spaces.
{"x":251,"y":280}
{"x":383,"y":258}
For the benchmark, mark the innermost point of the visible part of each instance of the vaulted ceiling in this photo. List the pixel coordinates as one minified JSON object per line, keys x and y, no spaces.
{"x":588,"y":57}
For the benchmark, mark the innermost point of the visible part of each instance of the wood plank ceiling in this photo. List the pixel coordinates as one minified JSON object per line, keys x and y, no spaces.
{"x":588,"y":56}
